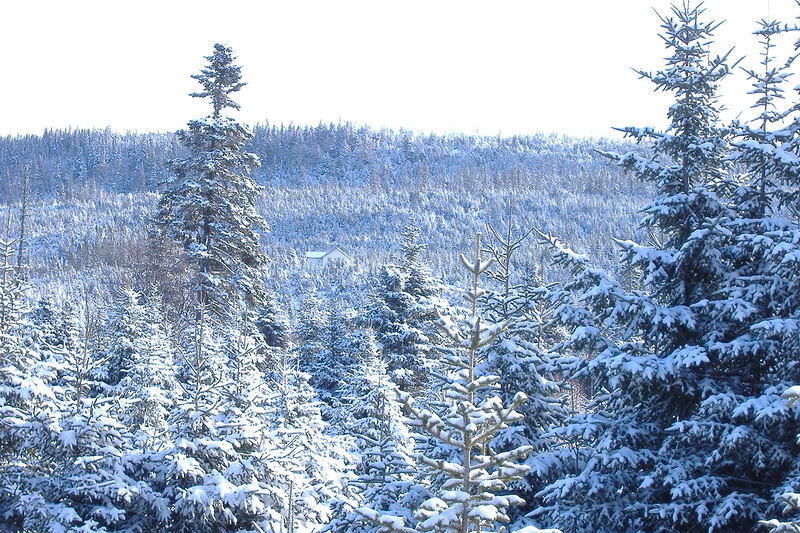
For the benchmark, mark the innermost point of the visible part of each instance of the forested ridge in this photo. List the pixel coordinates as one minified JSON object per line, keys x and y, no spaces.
{"x":75,"y":162}
{"x":330,"y":185}
{"x":525,"y":333}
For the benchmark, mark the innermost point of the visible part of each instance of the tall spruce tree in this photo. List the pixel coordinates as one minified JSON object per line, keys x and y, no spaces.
{"x":208,"y":202}
{"x":761,"y":359}
{"x":647,"y":457}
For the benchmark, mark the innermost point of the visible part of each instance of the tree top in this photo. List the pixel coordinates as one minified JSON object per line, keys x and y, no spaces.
{"x":219,"y":79}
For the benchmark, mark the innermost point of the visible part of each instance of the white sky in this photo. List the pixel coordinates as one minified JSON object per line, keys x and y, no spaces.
{"x":490,"y":67}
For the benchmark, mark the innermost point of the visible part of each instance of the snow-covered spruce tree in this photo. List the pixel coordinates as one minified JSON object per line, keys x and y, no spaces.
{"x":332,"y":366}
{"x":206,"y":473}
{"x":189,"y":470}
{"x":741,"y":439}
{"x":326,"y":350}
{"x":764,"y":293}
{"x":150,"y":384}
{"x":45,"y":315}
{"x":208,"y":203}
{"x":15,"y":359}
{"x":791,"y":499}
{"x":79,"y":478}
{"x":658,"y":355}
{"x":309,"y":330}
{"x":124,"y":326}
{"x":87,"y":485}
{"x":28,"y":410}
{"x":305,"y":468}
{"x":418,"y":282}
{"x":248,"y":421}
{"x":520,"y":357}
{"x":403,"y":313}
{"x":247,"y":359}
{"x":208,"y":208}
{"x":507,"y":300}
{"x":385,"y":474}
{"x":763,"y":146}
{"x":272,"y":323}
{"x":471,"y":496}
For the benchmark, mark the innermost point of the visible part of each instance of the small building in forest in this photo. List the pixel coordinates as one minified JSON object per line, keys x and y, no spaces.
{"x":321,"y":259}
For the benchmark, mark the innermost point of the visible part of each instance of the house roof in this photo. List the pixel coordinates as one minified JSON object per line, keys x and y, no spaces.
{"x":320,"y":255}
{"x":337,"y":249}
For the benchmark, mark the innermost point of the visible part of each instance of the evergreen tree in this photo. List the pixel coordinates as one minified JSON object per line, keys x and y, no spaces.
{"x":791,"y":499}
{"x":647,"y":458}
{"x":124,"y":327}
{"x":28,"y":408}
{"x":80,"y":460}
{"x":751,"y":427}
{"x":305,"y":465}
{"x":208,"y":203}
{"x":150,"y":385}
{"x":45,"y":316}
{"x":763,"y":146}
{"x":418,"y":278}
{"x":403,"y":313}
{"x":326,"y":352}
{"x":333,"y":367}
{"x":83,"y":481}
{"x":272,"y":324}
{"x":738,"y":443}
{"x":15,"y":358}
{"x":190,"y":477}
{"x":309,"y":330}
{"x":385,"y":474}
{"x":470,"y":497}
{"x":508,"y":300}
{"x":520,"y":357}
{"x":207,"y":473}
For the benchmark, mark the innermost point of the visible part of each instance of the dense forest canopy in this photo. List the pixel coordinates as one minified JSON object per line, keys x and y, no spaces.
{"x":519,"y":332}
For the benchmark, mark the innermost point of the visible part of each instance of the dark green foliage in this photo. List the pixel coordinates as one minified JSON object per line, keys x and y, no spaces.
{"x":271,"y":324}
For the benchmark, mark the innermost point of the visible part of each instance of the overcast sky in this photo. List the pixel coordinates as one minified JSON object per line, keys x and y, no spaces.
{"x":491,"y":67}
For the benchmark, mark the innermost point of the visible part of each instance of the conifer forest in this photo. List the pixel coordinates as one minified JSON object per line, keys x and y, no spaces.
{"x":339,"y":329}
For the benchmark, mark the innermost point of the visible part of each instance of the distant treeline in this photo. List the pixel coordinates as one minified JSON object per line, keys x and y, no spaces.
{"x":80,"y":163}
